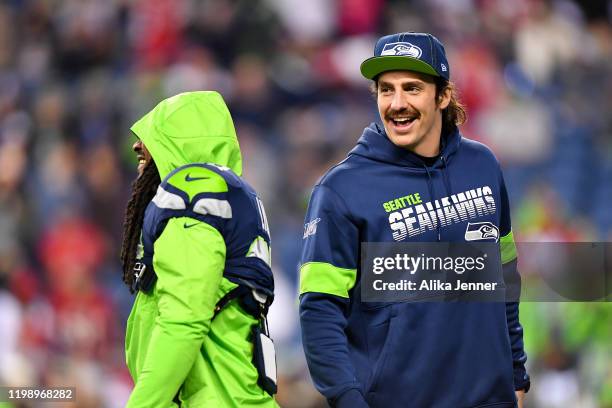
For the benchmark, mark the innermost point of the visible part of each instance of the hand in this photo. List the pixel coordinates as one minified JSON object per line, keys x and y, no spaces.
{"x":520,"y":396}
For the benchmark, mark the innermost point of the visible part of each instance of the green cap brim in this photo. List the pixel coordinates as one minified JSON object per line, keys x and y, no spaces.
{"x":377,"y":65}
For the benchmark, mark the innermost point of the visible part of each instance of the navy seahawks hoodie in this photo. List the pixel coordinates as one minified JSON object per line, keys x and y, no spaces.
{"x":422,"y":355}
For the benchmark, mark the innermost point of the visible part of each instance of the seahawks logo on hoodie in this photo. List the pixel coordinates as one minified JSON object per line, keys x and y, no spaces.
{"x":481,"y":231}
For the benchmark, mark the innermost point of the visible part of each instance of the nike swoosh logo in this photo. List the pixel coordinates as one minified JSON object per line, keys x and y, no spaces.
{"x":189,"y":178}
{"x":190,"y":225}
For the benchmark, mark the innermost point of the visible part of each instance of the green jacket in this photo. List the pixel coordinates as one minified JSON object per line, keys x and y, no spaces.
{"x":170,"y":342}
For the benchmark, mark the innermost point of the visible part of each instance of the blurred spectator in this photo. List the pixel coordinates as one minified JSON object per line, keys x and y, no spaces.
{"x":71,"y":251}
{"x":547,"y":40}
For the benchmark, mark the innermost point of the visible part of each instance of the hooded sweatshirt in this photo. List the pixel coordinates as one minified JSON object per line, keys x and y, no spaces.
{"x":422,"y":355}
{"x":204,"y":233}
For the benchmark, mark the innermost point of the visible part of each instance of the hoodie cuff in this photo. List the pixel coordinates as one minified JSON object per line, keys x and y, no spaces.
{"x":521,"y":379}
{"x":350,"y":399}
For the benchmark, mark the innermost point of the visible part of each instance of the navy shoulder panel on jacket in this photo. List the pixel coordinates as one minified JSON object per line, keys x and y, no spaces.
{"x":339,"y":174}
{"x":477,"y":150}
{"x":217,"y":196}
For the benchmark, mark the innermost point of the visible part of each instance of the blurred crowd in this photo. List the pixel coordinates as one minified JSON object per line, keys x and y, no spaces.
{"x":75,"y":74}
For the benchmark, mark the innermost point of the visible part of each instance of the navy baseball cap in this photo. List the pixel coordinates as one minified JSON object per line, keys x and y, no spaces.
{"x":420,"y":52}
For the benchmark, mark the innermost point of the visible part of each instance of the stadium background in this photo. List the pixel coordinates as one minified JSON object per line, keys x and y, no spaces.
{"x":74,"y":75}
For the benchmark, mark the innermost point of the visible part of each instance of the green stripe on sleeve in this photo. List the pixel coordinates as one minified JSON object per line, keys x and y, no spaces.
{"x":507,"y":248}
{"x":323,"y":277}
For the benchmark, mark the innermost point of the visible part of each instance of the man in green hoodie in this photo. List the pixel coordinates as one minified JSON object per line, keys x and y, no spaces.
{"x":196,"y":250}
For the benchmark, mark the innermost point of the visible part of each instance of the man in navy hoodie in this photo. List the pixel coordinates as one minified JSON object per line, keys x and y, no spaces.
{"x":410,"y":354}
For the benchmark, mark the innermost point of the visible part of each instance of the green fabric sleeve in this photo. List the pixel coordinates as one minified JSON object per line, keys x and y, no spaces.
{"x":323,"y":277}
{"x":189,"y":264}
{"x":507,"y":248}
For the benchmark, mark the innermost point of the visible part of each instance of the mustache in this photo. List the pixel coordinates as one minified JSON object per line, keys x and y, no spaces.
{"x":404,"y":111}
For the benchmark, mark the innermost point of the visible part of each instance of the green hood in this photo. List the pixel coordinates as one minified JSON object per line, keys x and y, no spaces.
{"x":192,"y":127}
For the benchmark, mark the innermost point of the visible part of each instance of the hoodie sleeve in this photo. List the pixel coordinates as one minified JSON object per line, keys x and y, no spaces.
{"x":328,"y":272}
{"x":189,"y":265}
{"x":513,"y":281}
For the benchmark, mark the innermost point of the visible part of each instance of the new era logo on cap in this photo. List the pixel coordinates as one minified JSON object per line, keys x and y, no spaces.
{"x":402,"y":48}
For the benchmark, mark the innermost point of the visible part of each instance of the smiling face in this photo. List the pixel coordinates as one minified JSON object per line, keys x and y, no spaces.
{"x":142,"y":155}
{"x":410,"y":111}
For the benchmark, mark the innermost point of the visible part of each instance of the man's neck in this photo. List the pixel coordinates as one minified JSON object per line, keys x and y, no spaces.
{"x":429,"y":161}
{"x":427,"y":151}
{"x":430,"y":145}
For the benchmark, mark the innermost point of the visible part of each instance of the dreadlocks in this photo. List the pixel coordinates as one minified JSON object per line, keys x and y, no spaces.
{"x":143,"y":191}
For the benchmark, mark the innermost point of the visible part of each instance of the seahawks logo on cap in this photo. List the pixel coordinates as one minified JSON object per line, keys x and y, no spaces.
{"x":402,"y":48}
{"x":481,"y":231}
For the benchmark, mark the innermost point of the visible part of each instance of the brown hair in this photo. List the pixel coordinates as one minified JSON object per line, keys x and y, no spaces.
{"x":143,"y":191}
{"x":453,"y":115}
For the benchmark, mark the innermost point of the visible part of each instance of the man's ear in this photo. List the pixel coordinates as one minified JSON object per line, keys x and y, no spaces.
{"x":444,"y":98}
{"x":374,"y":88}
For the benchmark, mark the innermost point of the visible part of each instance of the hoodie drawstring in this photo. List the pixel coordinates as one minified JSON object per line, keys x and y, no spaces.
{"x":430,"y":187}
{"x":447,"y":184}
{"x":446,"y":179}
